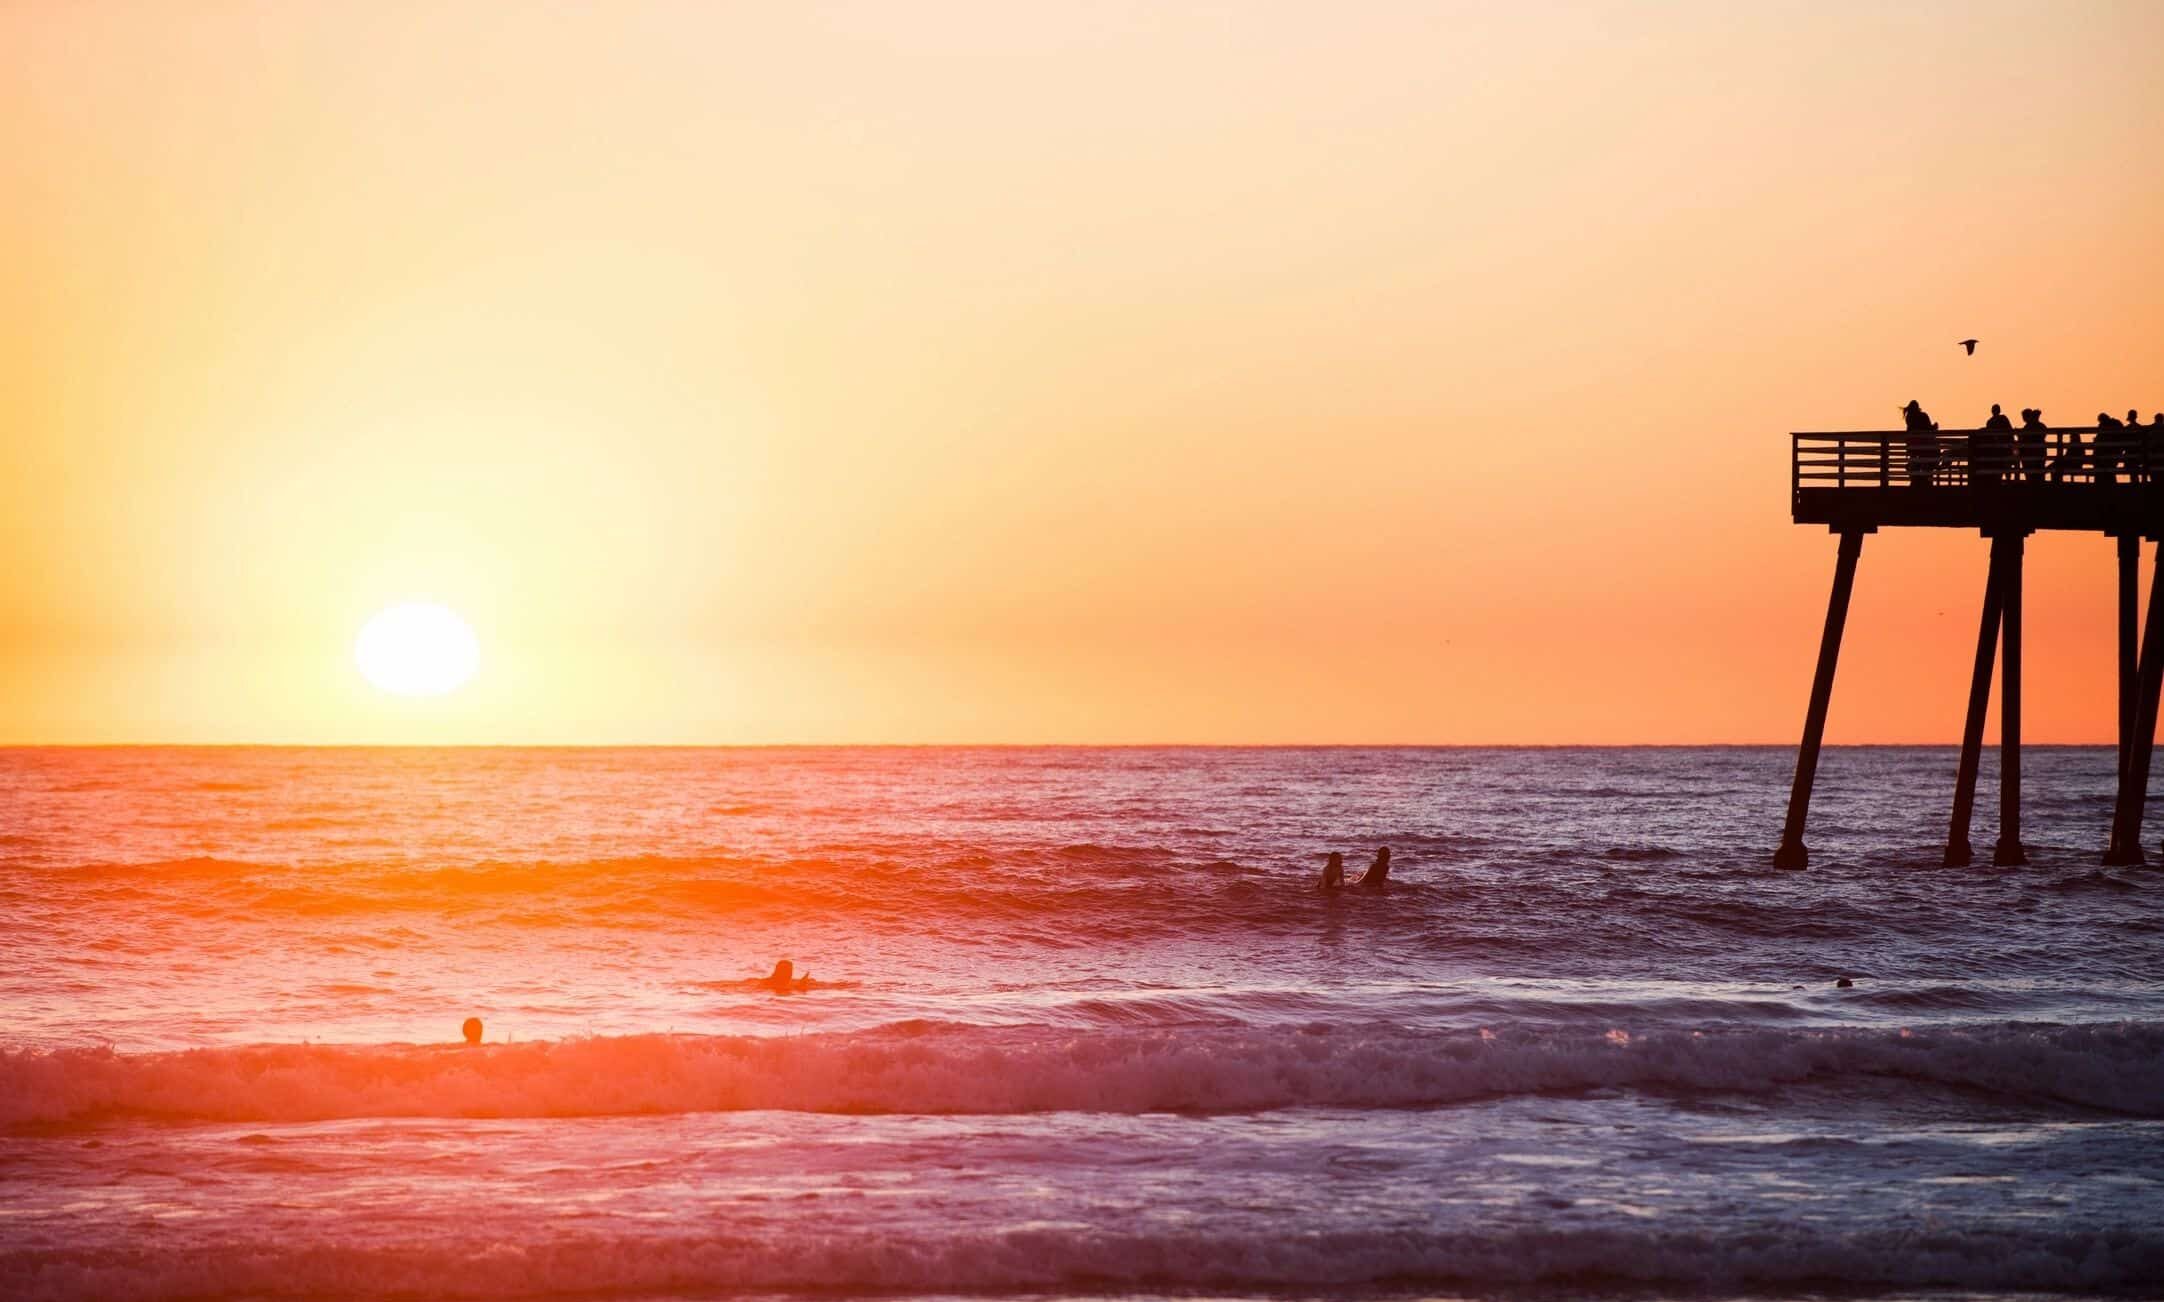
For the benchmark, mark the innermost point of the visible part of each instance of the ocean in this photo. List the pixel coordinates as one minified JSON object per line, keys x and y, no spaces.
{"x":1079,"y":1025}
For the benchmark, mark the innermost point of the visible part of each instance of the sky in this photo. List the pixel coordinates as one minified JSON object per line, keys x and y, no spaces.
{"x":1001,"y":373}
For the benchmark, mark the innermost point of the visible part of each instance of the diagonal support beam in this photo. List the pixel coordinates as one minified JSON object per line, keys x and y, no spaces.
{"x":1959,"y":854}
{"x":1792,"y":852}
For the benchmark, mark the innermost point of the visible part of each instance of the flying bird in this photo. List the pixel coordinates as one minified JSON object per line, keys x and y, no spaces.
{"x":1969,"y":344}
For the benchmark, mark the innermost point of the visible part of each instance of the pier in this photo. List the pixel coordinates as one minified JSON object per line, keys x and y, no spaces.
{"x":2005,"y":485}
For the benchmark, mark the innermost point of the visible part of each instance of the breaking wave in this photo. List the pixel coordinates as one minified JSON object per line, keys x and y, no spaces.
{"x":942,"y":1068}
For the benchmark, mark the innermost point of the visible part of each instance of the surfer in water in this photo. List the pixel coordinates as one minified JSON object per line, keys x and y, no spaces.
{"x":1378,"y":873}
{"x":471,"y":1030}
{"x":1333,"y":873}
{"x":783,"y":979}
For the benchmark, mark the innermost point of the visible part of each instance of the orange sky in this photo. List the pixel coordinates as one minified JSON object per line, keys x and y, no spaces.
{"x":991,"y":372}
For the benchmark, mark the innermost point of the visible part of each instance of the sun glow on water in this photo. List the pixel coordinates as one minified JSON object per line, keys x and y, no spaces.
{"x":417,"y":648}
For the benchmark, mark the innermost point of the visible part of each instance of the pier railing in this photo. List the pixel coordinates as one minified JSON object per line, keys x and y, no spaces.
{"x":1975,"y":458}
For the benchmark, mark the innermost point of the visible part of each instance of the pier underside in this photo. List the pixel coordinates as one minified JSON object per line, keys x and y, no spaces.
{"x":2119,"y":509}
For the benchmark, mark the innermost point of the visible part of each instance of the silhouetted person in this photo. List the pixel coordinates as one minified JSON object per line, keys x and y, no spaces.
{"x":1379,"y":871}
{"x":2110,"y":449}
{"x":2031,"y":442}
{"x":1991,"y":451}
{"x":783,"y":979}
{"x":1333,"y":873}
{"x":471,"y":1030}
{"x":2137,"y":448}
{"x":1922,"y":443}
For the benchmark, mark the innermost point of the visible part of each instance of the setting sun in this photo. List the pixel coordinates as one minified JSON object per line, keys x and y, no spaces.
{"x":417,"y":648}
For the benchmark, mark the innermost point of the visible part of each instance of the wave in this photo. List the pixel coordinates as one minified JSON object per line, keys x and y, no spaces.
{"x":944,"y":1068}
{"x":1052,"y":894}
{"x":829,"y":1257}
{"x":1083,"y":885}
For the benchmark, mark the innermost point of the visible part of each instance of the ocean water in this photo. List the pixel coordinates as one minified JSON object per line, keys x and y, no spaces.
{"x":1081,"y":1026}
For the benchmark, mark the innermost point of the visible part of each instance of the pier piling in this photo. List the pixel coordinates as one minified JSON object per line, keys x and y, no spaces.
{"x":1792,"y":853}
{"x":2126,"y":818}
{"x":2124,"y":850}
{"x":2129,"y":648}
{"x":2009,"y":852}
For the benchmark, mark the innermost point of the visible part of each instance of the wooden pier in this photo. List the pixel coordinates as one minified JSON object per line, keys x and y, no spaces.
{"x":2005,"y":485}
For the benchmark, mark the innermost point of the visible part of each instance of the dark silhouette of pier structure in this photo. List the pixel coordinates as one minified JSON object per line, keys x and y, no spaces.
{"x":2005,"y":487}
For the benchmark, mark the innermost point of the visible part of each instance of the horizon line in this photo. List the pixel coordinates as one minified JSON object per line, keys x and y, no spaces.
{"x":1019,"y":745}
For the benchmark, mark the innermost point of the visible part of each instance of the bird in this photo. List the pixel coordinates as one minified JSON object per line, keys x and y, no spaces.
{"x":1969,"y":344}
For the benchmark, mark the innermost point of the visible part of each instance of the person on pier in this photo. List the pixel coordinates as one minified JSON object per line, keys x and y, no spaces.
{"x":1991,"y":449}
{"x":2111,"y":448}
{"x":1922,"y":443}
{"x":2138,"y":449}
{"x":2031,"y":443}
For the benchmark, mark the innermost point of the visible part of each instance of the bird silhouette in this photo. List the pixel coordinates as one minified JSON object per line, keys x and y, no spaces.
{"x":1969,"y":344}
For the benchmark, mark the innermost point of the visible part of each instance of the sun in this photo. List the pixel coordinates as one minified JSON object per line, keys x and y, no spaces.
{"x":417,"y":648}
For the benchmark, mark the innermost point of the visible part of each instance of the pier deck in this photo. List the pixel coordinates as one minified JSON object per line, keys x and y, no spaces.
{"x":1967,"y":480}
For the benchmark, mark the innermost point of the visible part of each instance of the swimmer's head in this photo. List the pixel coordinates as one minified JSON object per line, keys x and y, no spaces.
{"x":471,"y":1030}
{"x":1382,"y":854}
{"x":783,"y":970}
{"x":1336,"y":860}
